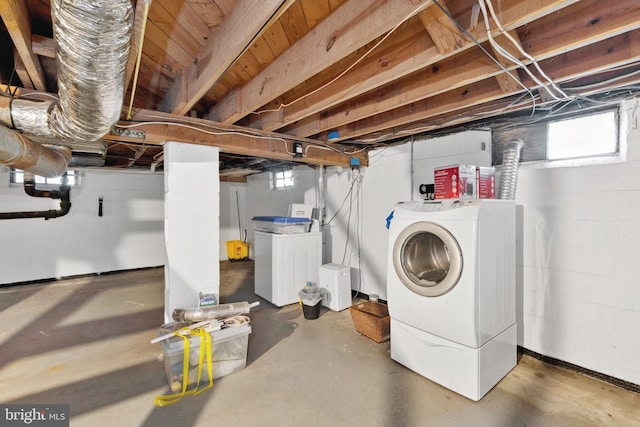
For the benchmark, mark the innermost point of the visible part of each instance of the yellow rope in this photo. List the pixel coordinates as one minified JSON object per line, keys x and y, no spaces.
{"x":205,"y":351}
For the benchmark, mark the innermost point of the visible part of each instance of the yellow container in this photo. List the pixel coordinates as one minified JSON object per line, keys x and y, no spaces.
{"x":237,"y":249}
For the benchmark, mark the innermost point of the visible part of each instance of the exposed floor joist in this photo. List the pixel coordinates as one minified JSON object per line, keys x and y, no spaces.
{"x":459,"y":71}
{"x":342,"y":34}
{"x":220,"y":54}
{"x":374,"y":71}
{"x":611,"y":53}
{"x":381,"y":70}
{"x":16,"y":18}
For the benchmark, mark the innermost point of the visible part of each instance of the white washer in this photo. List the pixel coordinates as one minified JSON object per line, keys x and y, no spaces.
{"x":451,"y":291}
{"x":284,"y":263}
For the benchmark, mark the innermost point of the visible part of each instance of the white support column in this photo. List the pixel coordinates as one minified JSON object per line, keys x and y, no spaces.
{"x":191,"y":223}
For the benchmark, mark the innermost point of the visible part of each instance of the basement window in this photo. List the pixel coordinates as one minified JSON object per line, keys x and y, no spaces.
{"x":584,"y":136}
{"x":282,"y":179}
{"x":575,"y":140}
{"x":73,"y":179}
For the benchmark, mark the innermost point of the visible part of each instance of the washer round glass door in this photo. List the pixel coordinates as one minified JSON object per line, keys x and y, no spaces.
{"x":427,"y":259}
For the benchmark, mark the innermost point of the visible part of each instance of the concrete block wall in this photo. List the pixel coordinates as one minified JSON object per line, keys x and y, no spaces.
{"x":129,"y":234}
{"x":579,"y":287}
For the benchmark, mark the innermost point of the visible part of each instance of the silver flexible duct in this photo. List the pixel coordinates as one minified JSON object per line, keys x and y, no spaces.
{"x":509,"y":175}
{"x":92,"y":39}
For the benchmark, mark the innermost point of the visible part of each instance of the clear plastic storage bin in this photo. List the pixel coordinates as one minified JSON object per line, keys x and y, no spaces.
{"x":228,"y":355}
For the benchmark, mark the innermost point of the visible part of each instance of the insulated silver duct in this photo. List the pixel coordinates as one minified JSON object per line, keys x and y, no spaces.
{"x":92,"y":39}
{"x":509,"y":175}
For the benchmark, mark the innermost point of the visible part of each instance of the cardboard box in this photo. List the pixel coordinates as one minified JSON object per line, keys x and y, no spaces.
{"x":486,"y":178}
{"x":457,"y":181}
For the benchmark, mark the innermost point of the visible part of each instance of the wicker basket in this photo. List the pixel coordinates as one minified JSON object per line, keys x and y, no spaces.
{"x":371,"y":319}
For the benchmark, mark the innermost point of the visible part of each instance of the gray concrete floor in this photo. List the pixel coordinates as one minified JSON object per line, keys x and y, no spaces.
{"x":85,"y":342}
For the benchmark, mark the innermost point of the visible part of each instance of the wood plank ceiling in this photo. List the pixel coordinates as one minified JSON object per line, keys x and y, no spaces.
{"x":338,"y":77}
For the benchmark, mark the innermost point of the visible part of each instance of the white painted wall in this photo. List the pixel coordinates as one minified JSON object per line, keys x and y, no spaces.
{"x":579,"y":286}
{"x":386,"y":181}
{"x":129,"y":234}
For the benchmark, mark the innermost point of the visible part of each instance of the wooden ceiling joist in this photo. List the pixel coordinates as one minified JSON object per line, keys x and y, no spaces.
{"x":607,"y":54}
{"x":419,"y":55}
{"x":221,"y":52}
{"x":136,"y":39}
{"x":43,"y":46}
{"x":509,"y":81}
{"x":445,"y":34}
{"x":462,"y":70}
{"x":16,"y":18}
{"x":21,"y":70}
{"x":511,"y":104}
{"x":278,"y":72}
{"x":342,"y":34}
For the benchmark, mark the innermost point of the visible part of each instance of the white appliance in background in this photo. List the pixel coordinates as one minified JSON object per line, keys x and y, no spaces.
{"x":451,"y":291}
{"x":284,"y":263}
{"x":336,"y":280}
{"x":300,"y":210}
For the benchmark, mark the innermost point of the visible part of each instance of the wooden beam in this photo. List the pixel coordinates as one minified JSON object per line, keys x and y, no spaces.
{"x":342,"y":33}
{"x":444,"y":33}
{"x":139,"y":152}
{"x":245,"y":20}
{"x":224,"y":178}
{"x":16,"y":18}
{"x":472,"y":66}
{"x":607,"y":54}
{"x":43,"y":46}
{"x":418,"y":55}
{"x":15,"y":91}
{"x":507,"y":105}
{"x":21,"y":70}
{"x":176,"y":97}
{"x":232,"y":139}
{"x":509,"y":82}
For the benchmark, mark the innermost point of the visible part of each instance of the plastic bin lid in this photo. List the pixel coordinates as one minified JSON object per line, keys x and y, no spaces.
{"x":222,"y":335}
{"x":281,"y":219}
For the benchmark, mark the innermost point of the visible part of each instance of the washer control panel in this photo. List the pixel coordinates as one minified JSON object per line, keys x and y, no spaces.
{"x":444,"y":204}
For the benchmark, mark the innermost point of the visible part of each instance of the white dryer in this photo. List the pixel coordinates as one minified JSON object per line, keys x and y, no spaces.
{"x":451,"y":291}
